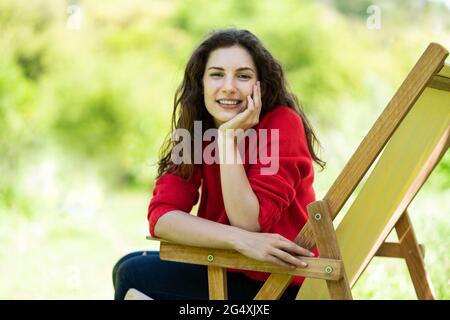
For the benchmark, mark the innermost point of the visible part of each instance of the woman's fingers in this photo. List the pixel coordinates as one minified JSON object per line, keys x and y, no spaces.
{"x":250,"y":104}
{"x":248,"y":116}
{"x":288,"y":258}
{"x":279,"y":262}
{"x":292,"y":247}
{"x":258,"y":102}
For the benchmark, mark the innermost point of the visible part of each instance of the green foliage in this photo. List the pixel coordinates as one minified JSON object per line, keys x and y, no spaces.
{"x":104,"y":92}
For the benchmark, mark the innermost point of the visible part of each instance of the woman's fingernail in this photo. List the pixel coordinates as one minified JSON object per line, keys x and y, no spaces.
{"x":311,"y":254}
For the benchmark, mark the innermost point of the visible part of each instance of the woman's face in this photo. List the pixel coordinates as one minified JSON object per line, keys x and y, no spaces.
{"x":229,"y":76}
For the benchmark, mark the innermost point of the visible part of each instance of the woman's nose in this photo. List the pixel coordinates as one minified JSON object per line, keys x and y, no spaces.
{"x":228,"y":85}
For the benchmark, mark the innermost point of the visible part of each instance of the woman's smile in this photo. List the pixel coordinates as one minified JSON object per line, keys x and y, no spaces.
{"x":230,"y":103}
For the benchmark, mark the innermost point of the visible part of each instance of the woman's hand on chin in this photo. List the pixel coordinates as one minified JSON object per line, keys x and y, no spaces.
{"x":247,"y":118}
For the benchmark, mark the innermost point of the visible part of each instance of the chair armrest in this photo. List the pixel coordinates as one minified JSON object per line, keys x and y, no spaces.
{"x":320,"y":268}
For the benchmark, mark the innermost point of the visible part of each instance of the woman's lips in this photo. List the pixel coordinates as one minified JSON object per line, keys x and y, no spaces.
{"x":230,"y":106}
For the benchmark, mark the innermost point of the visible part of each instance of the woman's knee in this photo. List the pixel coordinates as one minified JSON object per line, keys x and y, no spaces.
{"x":117,"y":267}
{"x":126,"y":274}
{"x":160,"y":279}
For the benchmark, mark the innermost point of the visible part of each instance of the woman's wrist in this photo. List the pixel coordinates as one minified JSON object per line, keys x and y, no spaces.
{"x":226,"y":134}
{"x":236,"y":236}
{"x":227,"y":146}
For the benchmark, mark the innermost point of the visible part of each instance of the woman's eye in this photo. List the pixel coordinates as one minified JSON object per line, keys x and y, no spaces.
{"x":241,"y":76}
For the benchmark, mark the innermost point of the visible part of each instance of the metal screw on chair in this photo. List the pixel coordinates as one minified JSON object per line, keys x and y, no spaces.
{"x":317,"y":216}
{"x":210,"y":258}
{"x":328,"y":269}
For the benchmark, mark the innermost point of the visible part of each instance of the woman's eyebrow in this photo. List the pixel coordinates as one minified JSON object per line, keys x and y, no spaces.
{"x":238,"y":69}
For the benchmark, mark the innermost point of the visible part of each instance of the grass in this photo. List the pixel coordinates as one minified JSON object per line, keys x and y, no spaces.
{"x":54,"y":256}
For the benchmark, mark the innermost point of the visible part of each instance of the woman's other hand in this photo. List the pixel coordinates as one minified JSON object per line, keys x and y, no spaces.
{"x":271,"y":247}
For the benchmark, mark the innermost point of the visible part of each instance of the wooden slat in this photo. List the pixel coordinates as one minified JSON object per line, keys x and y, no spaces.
{"x":445,"y":71}
{"x":233,"y":259}
{"x":327,"y":246}
{"x":393,"y":250}
{"x":440,"y":83}
{"x":416,"y":266}
{"x":406,"y":163}
{"x":274,"y":288}
{"x":217,"y":283}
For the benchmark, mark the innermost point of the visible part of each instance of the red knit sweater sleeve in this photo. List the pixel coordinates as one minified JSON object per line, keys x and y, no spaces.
{"x":171,"y":192}
{"x":277,"y":190}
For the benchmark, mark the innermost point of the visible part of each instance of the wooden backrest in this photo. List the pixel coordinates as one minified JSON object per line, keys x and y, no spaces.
{"x":425,"y":72}
{"x":415,"y":129}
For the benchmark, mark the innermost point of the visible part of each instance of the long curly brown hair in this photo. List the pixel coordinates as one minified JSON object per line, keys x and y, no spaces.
{"x":189,"y":103}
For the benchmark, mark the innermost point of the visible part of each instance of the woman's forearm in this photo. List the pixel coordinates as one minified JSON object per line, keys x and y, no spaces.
{"x":183,"y":228}
{"x":241,"y":203}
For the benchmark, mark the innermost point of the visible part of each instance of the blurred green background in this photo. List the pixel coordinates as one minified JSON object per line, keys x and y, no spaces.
{"x":86,"y":94}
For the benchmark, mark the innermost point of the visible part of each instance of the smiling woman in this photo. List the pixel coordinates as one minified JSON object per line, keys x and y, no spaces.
{"x":231,"y":84}
{"x":228,"y":82}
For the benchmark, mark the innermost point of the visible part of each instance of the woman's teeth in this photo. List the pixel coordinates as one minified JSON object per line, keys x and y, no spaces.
{"x":231,"y":102}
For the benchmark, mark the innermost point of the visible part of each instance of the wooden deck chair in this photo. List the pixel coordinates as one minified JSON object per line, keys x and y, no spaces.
{"x":408,"y":139}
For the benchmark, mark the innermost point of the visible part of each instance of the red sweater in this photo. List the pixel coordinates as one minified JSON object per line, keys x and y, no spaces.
{"x":282,"y":196}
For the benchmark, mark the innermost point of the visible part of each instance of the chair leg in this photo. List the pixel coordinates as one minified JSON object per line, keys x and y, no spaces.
{"x":412,"y":254}
{"x":327,"y":245}
{"x":217,"y":282}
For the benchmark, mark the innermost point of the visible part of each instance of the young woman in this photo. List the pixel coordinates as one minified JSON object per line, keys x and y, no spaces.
{"x":231,"y":84}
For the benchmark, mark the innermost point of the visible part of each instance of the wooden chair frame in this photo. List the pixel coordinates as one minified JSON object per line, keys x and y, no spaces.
{"x":429,"y":71}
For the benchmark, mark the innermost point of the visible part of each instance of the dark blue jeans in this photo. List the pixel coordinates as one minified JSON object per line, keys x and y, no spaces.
{"x":147,"y":273}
